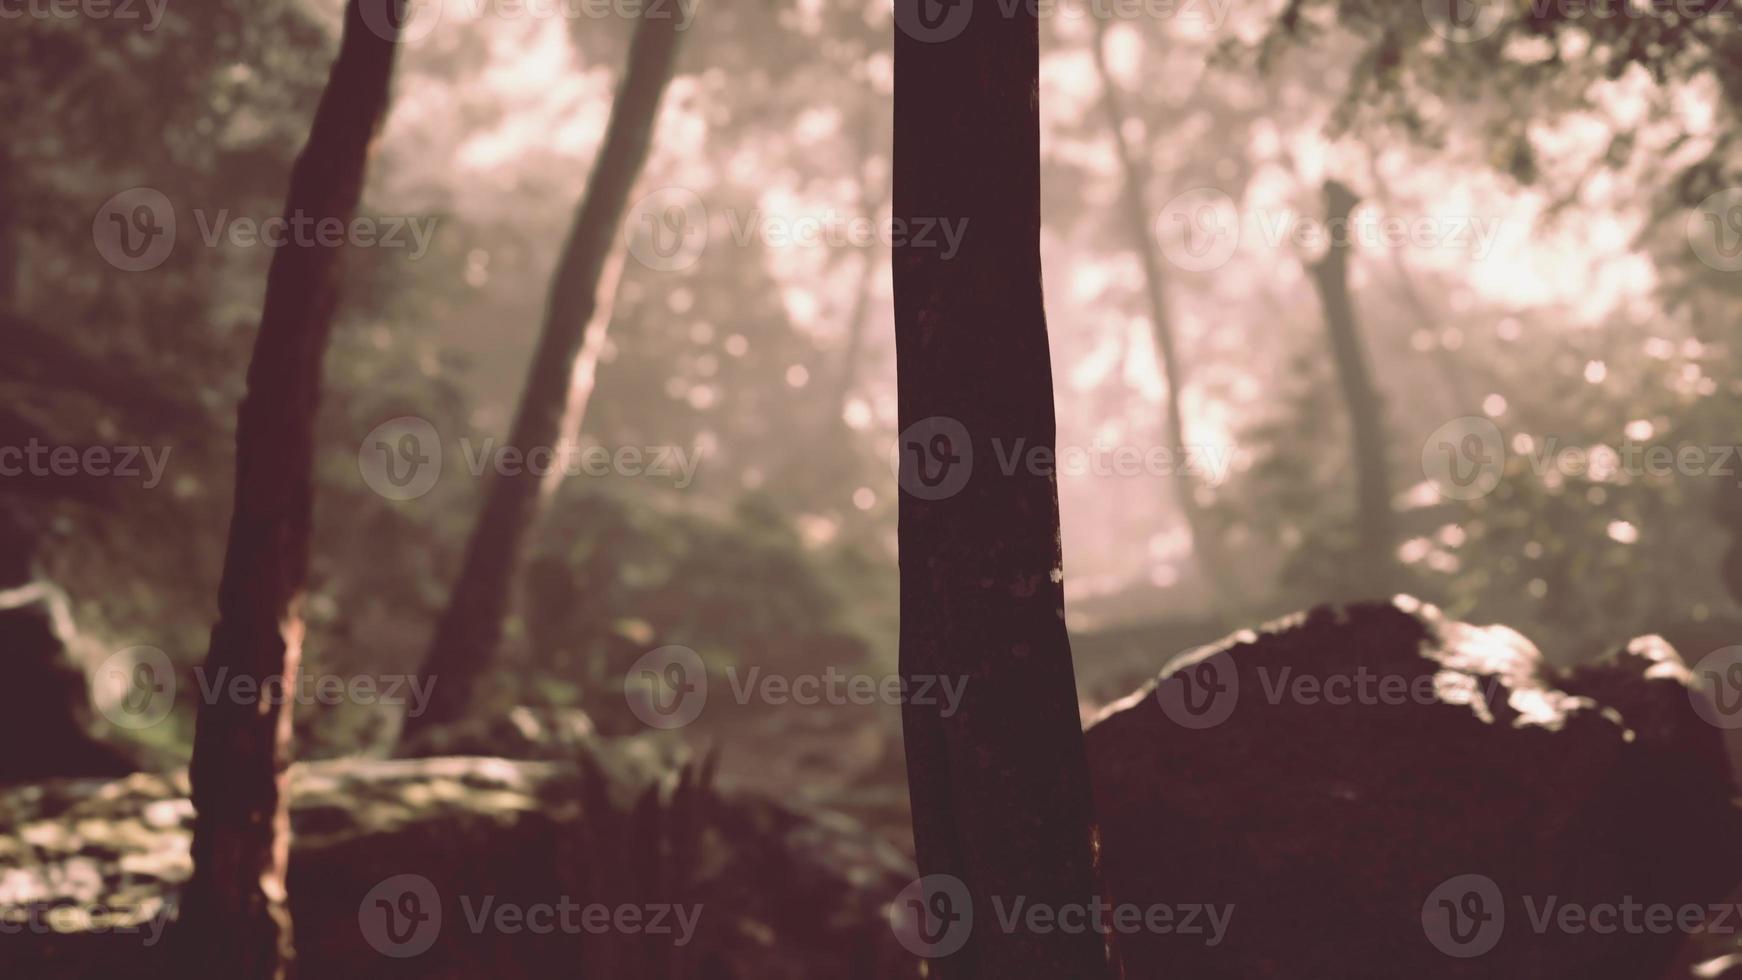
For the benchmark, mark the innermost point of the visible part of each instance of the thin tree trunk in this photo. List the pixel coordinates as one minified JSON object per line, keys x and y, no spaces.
{"x":470,"y":629}
{"x":1373,"y":518}
{"x":871,"y":202}
{"x":1000,"y":788}
{"x":1206,"y":544}
{"x":11,"y":230}
{"x":235,"y":920}
{"x":1451,"y":373}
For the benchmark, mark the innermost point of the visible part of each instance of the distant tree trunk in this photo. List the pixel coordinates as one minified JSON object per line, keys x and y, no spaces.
{"x":1207,"y":548}
{"x":999,"y":788}
{"x":235,"y":920}
{"x":871,"y":202}
{"x":11,"y":229}
{"x":1451,"y":374}
{"x":470,"y":629}
{"x":1373,"y":518}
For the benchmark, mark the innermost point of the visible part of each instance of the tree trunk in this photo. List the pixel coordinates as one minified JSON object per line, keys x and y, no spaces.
{"x":1207,"y":550}
{"x":1000,"y":788}
{"x":1373,"y":519}
{"x":470,"y":629}
{"x":235,"y":920}
{"x":11,"y":230}
{"x":871,"y":202}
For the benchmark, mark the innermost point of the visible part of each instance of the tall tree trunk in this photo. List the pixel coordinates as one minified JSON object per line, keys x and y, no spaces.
{"x":235,"y":920}
{"x":1000,"y":789}
{"x":1373,"y":518}
{"x":1450,"y":372}
{"x":470,"y":629}
{"x":11,"y":230}
{"x":871,"y":202}
{"x":1207,"y":548}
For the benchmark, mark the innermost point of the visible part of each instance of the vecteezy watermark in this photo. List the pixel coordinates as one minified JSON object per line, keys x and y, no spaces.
{"x":669,"y":229}
{"x":148,"y":14}
{"x":1466,"y":916}
{"x":146,"y":919}
{"x":1202,"y":690}
{"x":39,"y":459}
{"x":935,"y":21}
{"x":1465,"y":458}
{"x":934,"y":457}
{"x":402,"y":917}
{"x":411,"y":21}
{"x":933,"y":917}
{"x":1205,"y":464}
{"x":676,"y":463}
{"x":402,"y":458}
{"x":1716,"y":689}
{"x":409,"y":691}
{"x":136,"y":687}
{"x":1715,"y":230}
{"x":1201,"y":229}
{"x":668,"y":687}
{"x":136,"y":230}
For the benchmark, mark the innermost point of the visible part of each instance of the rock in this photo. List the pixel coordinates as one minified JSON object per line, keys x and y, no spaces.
{"x":782,"y":894}
{"x":44,"y":699}
{"x":523,"y":732}
{"x":1378,"y":791}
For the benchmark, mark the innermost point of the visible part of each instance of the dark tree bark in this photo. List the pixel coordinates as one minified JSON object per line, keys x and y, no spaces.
{"x":1206,"y":543}
{"x":470,"y":629}
{"x":235,"y":920}
{"x":999,"y":789}
{"x":1373,"y":518}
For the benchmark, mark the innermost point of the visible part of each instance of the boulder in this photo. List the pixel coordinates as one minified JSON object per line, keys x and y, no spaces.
{"x":467,"y":868}
{"x":1378,"y":791}
{"x":44,"y":698}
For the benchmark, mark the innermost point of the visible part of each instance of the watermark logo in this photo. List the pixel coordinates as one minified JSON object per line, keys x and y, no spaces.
{"x":933,"y":21}
{"x":1465,"y":916}
{"x":74,"y":910}
{"x":1206,"y":464}
{"x":1717,"y":688}
{"x":1464,"y":21}
{"x":1715,"y":230}
{"x":401,"y":21}
{"x":134,"y":688}
{"x":933,"y":458}
{"x":667,"y":687}
{"x":401,"y":458}
{"x":134,"y":231}
{"x":402,"y":916}
{"x":40,"y":460}
{"x":1202,"y":693}
{"x":1199,"y":230}
{"x":150,"y":12}
{"x":667,"y":230}
{"x":409,"y":691}
{"x":1464,"y":458}
{"x":933,"y":916}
